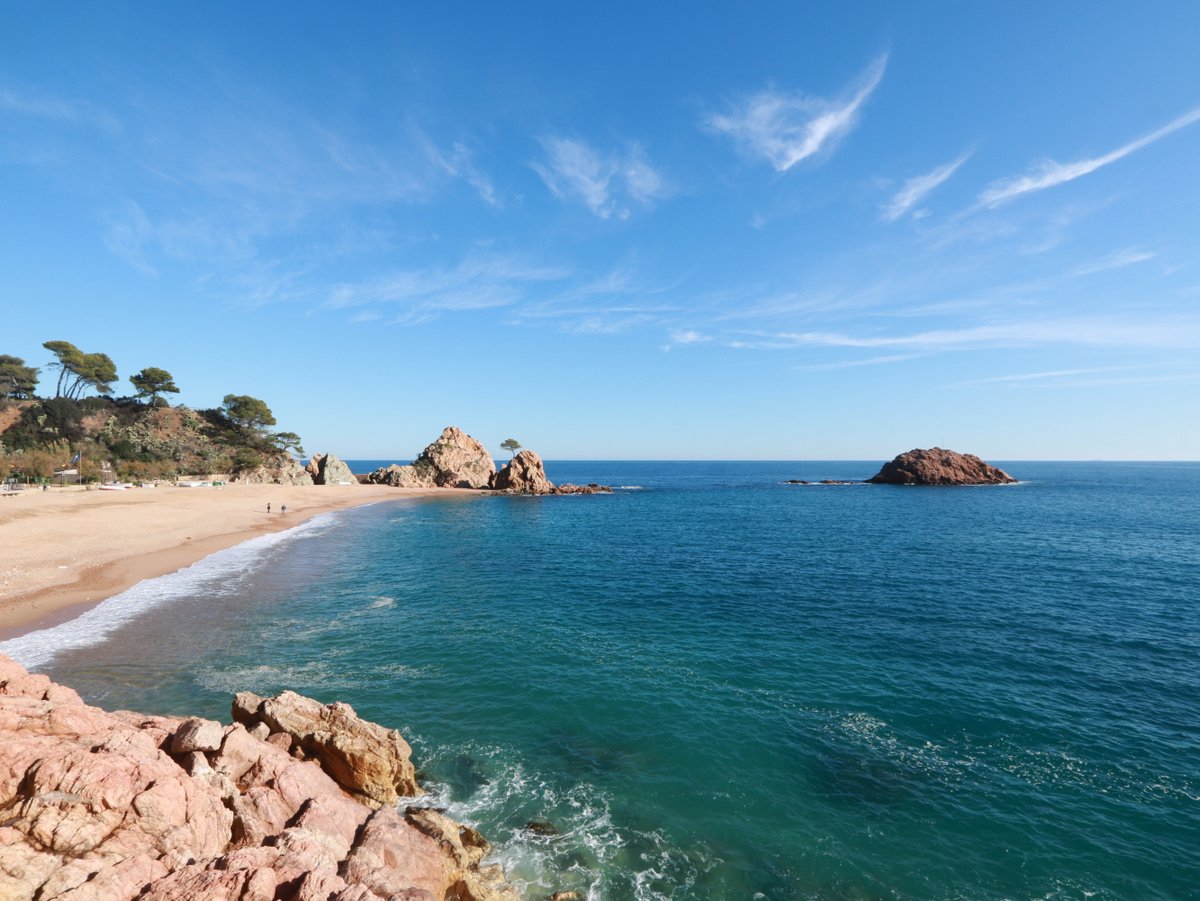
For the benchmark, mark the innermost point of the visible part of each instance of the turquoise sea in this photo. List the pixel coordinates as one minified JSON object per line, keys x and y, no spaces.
{"x":714,"y":685}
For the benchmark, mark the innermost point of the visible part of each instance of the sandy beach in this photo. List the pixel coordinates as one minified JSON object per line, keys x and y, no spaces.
{"x":64,"y":550}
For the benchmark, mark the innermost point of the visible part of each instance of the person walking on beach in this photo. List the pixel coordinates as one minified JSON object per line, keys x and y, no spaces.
{"x":283,"y":508}
{"x":268,"y":506}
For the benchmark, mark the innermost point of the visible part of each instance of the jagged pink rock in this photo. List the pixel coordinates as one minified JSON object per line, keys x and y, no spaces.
{"x":365,"y":759}
{"x":454,"y":460}
{"x":523,"y":474}
{"x":96,"y":807}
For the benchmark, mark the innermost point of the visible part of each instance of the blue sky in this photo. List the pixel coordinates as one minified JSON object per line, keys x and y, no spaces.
{"x":775,"y":231}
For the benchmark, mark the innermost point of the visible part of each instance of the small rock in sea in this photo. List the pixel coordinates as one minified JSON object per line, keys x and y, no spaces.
{"x":541,"y":827}
{"x":565,"y":896}
{"x":798,"y":482}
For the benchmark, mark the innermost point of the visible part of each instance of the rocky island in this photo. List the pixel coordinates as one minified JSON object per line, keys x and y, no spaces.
{"x":938,"y":466}
{"x":294,"y":801}
{"x":456,"y":460}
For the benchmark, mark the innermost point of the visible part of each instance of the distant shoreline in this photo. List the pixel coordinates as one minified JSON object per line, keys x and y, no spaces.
{"x":67,"y":551}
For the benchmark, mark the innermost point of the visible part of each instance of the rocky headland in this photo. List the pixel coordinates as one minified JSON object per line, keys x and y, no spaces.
{"x":294,"y":801}
{"x":456,"y":460}
{"x":938,"y":466}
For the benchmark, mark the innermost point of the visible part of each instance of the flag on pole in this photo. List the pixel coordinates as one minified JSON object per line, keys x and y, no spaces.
{"x":76,"y":458}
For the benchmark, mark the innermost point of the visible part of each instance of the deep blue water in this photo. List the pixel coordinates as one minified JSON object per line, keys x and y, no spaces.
{"x":715,"y":685}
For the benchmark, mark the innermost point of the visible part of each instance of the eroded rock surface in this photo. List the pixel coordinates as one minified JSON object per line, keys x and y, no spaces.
{"x":283,"y":470}
{"x":454,"y":460}
{"x":938,"y":466}
{"x":523,"y":474}
{"x":99,"y":806}
{"x":368,"y":761}
{"x":526,"y":474}
{"x":326,"y":469}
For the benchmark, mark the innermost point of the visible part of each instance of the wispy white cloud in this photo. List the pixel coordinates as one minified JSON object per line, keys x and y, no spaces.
{"x":140,"y":239}
{"x":786,"y":128}
{"x":1050,"y":173}
{"x":478,"y":282}
{"x":1174,"y":332}
{"x":918,"y":188}
{"x":460,"y":163}
{"x":1090,"y":377}
{"x":679,"y":337}
{"x":1045,"y":376}
{"x":601,"y":181}
{"x":1128,"y":257}
{"x":46,"y":106}
{"x":851,"y":364}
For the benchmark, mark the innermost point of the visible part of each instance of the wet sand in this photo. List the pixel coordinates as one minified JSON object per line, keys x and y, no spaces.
{"x":64,"y":550}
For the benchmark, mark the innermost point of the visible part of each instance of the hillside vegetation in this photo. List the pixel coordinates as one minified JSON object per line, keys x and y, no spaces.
{"x":85,"y":425}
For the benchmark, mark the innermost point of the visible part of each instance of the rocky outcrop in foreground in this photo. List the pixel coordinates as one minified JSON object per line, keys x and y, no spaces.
{"x":937,"y":466}
{"x":326,"y":469}
{"x":526,"y":474}
{"x":293,"y":802}
{"x":454,"y":460}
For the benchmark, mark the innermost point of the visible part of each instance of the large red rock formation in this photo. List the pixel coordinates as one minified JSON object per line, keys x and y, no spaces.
{"x":937,"y":466}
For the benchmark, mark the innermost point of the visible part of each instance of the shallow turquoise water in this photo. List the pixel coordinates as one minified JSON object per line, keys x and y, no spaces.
{"x":715,"y":685}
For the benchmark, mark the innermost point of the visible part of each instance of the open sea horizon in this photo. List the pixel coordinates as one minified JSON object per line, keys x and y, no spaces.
{"x":715,"y":685}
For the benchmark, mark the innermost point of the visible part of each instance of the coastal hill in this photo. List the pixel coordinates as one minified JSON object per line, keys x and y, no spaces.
{"x":938,"y":466}
{"x":294,"y":800}
{"x":86,"y":431}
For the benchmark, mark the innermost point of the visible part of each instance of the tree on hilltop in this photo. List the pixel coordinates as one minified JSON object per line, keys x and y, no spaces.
{"x":78,"y":371}
{"x":16,"y":379}
{"x":512,"y":445}
{"x":288,"y":441}
{"x":151,"y":382}
{"x":247,"y":413}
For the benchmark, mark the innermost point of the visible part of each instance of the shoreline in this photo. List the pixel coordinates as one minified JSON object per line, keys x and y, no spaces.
{"x":65,"y":552}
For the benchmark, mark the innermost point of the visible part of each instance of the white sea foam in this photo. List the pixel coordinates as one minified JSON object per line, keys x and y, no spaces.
{"x":382,"y":600}
{"x":589,"y":853}
{"x":217,"y":574}
{"x":629,"y":488}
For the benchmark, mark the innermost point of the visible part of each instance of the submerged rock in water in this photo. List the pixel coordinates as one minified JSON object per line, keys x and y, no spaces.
{"x":937,"y":466}
{"x":454,"y":460}
{"x":99,"y":806}
{"x":541,"y":827}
